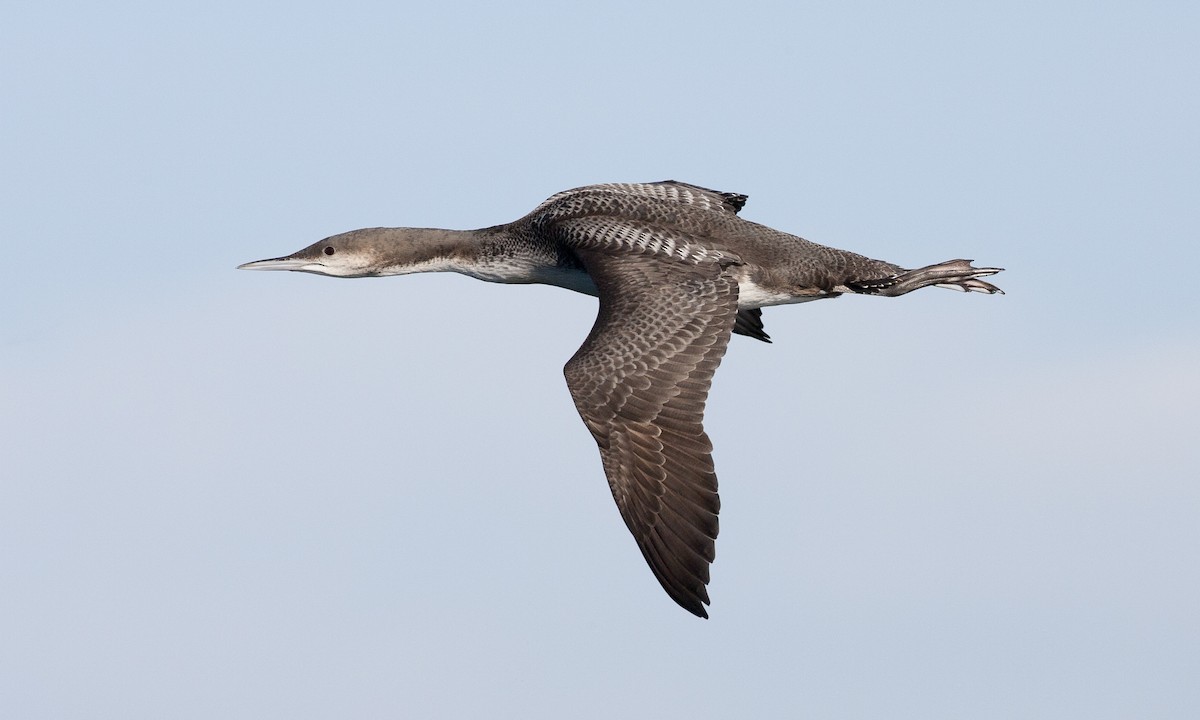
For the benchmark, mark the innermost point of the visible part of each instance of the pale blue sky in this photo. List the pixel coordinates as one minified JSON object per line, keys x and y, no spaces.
{"x":246,"y":495}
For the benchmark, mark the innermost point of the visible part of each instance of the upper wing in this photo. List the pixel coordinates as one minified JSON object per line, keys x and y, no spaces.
{"x":733,"y":202}
{"x":640,"y":382}
{"x":630,"y":200}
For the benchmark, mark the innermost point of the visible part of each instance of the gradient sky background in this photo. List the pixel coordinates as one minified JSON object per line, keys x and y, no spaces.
{"x":246,"y":495}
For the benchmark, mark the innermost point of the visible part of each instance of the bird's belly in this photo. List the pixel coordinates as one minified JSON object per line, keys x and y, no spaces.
{"x":564,"y":277}
{"x":750,"y":293}
{"x":753,"y":295}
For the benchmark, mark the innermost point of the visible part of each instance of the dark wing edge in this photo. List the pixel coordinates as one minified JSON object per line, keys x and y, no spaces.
{"x":640,"y":381}
{"x":749,"y":323}
{"x":733,"y":202}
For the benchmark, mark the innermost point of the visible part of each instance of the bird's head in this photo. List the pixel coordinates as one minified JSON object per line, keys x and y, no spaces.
{"x":351,"y":254}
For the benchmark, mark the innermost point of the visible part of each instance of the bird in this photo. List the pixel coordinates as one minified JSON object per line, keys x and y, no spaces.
{"x":677,"y":272}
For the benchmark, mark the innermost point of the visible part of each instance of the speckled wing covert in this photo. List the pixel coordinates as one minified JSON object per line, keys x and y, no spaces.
{"x":630,"y":201}
{"x":640,"y":381}
{"x":629,"y":196}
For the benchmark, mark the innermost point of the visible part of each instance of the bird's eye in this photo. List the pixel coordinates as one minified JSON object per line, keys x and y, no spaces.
{"x":329,"y":250}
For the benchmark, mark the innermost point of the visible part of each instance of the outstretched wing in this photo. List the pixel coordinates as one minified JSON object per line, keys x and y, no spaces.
{"x":640,"y":382}
{"x":629,"y":200}
{"x":733,"y":202}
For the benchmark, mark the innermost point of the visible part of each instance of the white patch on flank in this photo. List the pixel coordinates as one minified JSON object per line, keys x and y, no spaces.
{"x":753,"y":295}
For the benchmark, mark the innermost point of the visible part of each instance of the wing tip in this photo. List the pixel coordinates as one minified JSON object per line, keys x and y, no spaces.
{"x":734,"y":201}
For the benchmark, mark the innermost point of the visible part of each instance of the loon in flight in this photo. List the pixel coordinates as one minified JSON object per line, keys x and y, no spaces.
{"x":676,"y":271}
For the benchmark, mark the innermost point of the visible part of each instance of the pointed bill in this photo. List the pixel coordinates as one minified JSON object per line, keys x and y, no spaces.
{"x":283,"y":263}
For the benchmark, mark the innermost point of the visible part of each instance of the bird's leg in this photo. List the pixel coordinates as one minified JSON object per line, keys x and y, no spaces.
{"x":953,"y":274}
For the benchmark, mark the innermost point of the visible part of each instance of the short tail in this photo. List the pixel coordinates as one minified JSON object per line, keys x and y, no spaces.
{"x":953,"y":274}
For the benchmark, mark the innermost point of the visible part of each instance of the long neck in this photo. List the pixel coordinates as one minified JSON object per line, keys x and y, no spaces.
{"x":400,"y":251}
{"x":494,"y":254}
